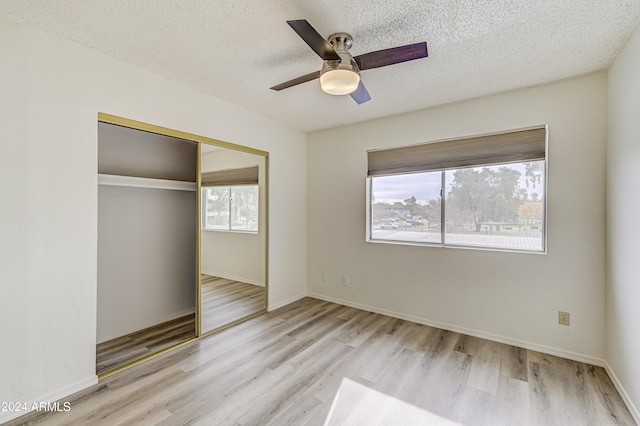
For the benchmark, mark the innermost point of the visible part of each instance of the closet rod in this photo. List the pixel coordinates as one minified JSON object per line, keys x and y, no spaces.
{"x":140,"y":182}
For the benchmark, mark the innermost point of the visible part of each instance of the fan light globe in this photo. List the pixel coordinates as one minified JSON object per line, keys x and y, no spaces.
{"x":339,"y":81}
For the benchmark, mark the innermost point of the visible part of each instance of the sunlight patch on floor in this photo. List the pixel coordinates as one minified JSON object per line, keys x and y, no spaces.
{"x":356,"y":404}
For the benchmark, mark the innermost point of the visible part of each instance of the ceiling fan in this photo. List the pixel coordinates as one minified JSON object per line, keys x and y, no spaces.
{"x":340,"y":73}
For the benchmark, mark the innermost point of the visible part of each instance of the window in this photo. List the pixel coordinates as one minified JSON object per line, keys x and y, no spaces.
{"x":469,"y":192}
{"x":230,"y":208}
{"x":230,"y":200}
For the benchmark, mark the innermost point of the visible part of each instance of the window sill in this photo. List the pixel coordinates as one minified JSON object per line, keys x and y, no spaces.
{"x":454,"y":246}
{"x":231,"y":231}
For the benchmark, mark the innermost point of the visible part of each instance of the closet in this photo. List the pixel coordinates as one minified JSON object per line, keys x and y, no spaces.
{"x":182,"y":239}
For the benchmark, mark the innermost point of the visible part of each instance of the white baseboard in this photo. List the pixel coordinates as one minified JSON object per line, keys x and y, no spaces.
{"x":183,"y":313}
{"x":280,"y":304}
{"x":623,"y":393}
{"x":469,"y":331}
{"x":233,"y":278}
{"x":51,"y":397}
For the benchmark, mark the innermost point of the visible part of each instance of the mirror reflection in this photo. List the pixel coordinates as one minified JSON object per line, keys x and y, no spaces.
{"x":232,"y":236}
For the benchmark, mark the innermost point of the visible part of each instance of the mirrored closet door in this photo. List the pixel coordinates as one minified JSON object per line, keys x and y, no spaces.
{"x":232,"y":236}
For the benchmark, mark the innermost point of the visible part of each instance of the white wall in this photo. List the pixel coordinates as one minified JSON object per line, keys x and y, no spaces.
{"x":623,"y":225}
{"x":52,"y":92}
{"x":235,"y":255}
{"x":511,"y":297}
{"x":146,"y":258}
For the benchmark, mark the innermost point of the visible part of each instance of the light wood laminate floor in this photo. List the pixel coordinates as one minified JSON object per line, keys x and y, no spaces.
{"x":285,"y":368}
{"x":123,"y":350}
{"x":225,"y":301}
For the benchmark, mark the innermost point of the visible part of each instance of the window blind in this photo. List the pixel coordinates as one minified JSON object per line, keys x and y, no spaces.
{"x":500,"y":148}
{"x":244,"y":176}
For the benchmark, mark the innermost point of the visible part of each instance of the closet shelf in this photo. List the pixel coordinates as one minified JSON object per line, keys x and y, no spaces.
{"x":140,"y":182}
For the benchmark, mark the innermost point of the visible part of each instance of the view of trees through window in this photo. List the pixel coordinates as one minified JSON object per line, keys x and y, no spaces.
{"x":493,"y":206}
{"x":230,"y":208}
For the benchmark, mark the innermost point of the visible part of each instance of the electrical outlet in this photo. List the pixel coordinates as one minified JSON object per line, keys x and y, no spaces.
{"x":345,"y":280}
{"x":325,"y":277}
{"x":564,"y":318}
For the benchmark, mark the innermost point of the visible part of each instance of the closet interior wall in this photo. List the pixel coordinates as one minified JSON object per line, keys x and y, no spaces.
{"x":146,"y":230}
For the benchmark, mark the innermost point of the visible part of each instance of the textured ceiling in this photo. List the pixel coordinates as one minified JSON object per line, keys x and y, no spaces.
{"x":237,"y":49}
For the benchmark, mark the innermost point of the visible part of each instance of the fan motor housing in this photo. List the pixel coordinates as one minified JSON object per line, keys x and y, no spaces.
{"x":341,"y":43}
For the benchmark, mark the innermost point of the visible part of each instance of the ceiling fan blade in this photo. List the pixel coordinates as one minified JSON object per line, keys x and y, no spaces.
{"x":395,"y":55}
{"x":361,"y":95}
{"x":296,"y":81}
{"x":315,"y":41}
